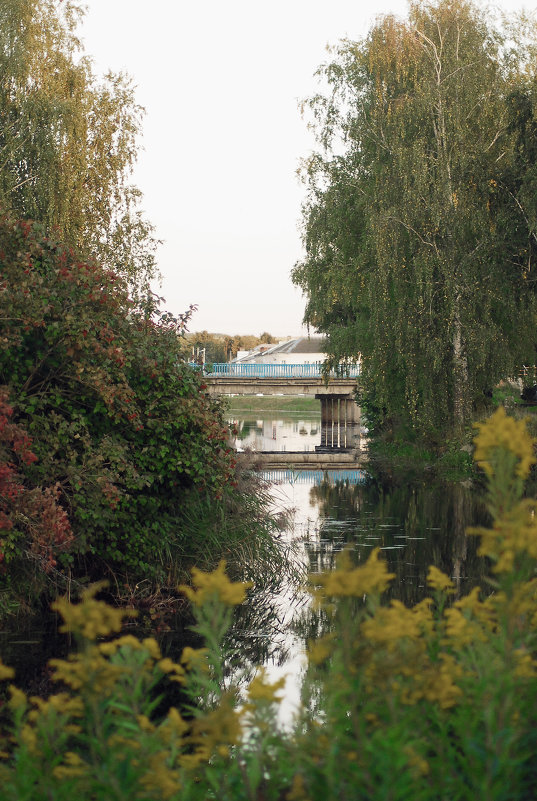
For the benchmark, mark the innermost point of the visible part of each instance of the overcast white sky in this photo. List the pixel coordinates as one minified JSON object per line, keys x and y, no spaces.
{"x":223,"y":137}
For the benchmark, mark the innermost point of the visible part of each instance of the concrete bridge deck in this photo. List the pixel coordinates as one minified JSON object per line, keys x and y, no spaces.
{"x":235,"y":385}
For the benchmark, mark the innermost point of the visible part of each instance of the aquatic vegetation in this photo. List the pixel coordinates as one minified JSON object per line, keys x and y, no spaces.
{"x":431,"y":701}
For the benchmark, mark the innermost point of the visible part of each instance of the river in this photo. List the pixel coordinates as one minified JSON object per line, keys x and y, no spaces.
{"x":414,"y":525}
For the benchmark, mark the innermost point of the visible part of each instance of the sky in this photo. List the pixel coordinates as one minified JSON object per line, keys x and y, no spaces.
{"x":223,"y":138}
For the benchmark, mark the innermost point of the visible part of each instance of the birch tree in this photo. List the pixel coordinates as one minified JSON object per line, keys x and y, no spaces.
{"x":68,"y":141}
{"x":418,"y":245}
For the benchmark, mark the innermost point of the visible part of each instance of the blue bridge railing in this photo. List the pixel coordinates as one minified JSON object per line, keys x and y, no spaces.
{"x":237,"y":370}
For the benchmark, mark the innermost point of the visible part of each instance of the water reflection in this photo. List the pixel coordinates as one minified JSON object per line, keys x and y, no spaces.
{"x":414,"y":526}
{"x":268,"y":432}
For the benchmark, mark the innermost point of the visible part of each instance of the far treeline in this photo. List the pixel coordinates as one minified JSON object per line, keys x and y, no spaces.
{"x":222,"y":347}
{"x":421,"y":216}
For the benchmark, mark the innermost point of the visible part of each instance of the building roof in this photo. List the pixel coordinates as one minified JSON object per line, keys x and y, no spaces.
{"x":300,"y":345}
{"x":297,"y":345}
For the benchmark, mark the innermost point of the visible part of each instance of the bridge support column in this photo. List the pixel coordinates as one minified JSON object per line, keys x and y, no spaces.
{"x":340,"y":422}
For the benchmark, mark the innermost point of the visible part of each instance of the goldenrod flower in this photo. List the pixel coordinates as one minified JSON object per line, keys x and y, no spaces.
{"x":320,"y":649}
{"x":219,"y":726}
{"x":173,"y":728}
{"x":18,"y":698}
{"x":525,"y":667}
{"x":195,"y":658}
{"x":174,"y":671}
{"x":215,"y":585}
{"x":503,"y":432}
{"x":439,"y":581}
{"x":6,"y":672}
{"x":262,"y":690}
{"x":392,"y":624}
{"x":511,"y":535}
{"x":91,"y":618}
{"x":298,"y":789}
{"x":346,"y":580}
{"x":128,"y":640}
{"x":73,"y":767}
{"x":160,"y":780}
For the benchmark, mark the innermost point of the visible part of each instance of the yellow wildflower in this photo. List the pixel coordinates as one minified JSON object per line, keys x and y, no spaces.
{"x":439,"y":581}
{"x":128,"y":640}
{"x":525,"y":667}
{"x":145,"y":724}
{"x":90,"y":670}
{"x":18,"y":698}
{"x":61,"y":703}
{"x":503,"y":432}
{"x":175,"y":672}
{"x":392,"y":624}
{"x":369,"y":578}
{"x":6,"y":672}
{"x":195,"y":658}
{"x":511,"y":535}
{"x":320,"y":649}
{"x":298,"y":789}
{"x":73,"y":766}
{"x":28,"y":737}
{"x":441,"y":685}
{"x":219,"y":726}
{"x":215,"y":585}
{"x":160,"y":780}
{"x":123,"y":743}
{"x":416,"y":762}
{"x":261,"y":689}
{"x":462,"y":631}
{"x":91,"y":618}
{"x":152,"y":647}
{"x":173,"y":728}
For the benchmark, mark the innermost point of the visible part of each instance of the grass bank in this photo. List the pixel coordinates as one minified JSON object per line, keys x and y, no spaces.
{"x":273,"y":403}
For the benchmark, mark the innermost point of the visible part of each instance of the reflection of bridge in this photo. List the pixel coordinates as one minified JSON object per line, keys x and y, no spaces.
{"x":340,"y":415}
{"x":313,"y":476}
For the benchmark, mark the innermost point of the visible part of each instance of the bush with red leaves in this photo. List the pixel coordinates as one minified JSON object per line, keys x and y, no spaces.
{"x":32,"y":522}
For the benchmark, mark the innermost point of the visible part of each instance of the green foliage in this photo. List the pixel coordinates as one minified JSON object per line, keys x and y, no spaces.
{"x":419,"y":225}
{"x":69,"y":140}
{"x":126,"y":436}
{"x":426,"y":702}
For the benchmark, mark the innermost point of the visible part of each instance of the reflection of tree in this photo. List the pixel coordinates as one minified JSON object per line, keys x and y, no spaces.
{"x":416,"y":526}
{"x":336,"y":501}
{"x":245,"y":428}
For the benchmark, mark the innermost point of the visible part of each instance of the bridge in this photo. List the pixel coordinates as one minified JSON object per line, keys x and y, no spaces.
{"x":340,"y":415}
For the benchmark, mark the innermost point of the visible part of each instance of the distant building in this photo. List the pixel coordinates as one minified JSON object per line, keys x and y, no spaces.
{"x":302,"y":350}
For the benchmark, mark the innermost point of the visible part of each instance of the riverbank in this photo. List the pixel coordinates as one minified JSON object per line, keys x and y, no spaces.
{"x":273,"y":403}
{"x":401,"y":461}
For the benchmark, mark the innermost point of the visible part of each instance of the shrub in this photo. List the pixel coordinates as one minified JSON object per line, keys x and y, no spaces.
{"x":126,"y":436}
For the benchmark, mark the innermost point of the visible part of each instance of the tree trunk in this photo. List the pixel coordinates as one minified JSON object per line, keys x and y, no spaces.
{"x":460,"y":377}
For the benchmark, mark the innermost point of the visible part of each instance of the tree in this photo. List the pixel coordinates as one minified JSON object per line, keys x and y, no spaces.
{"x":68,"y":142}
{"x":418,"y":244}
{"x":268,"y":338}
{"x":125,"y":438}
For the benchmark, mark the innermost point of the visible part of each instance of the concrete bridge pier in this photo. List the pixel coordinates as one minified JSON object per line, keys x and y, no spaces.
{"x":340,"y":422}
